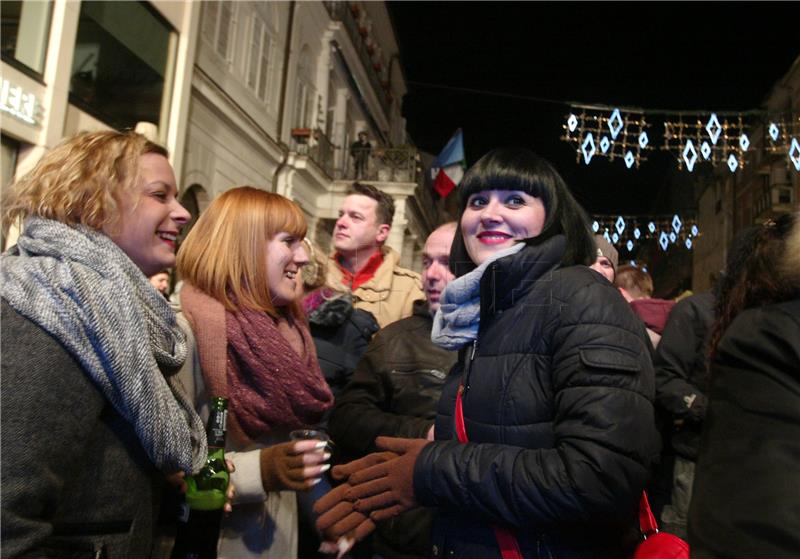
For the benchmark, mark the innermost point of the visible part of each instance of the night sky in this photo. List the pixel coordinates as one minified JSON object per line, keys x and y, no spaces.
{"x":722,"y":56}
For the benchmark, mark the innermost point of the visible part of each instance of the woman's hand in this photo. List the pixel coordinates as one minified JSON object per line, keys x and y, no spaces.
{"x":296,"y":465}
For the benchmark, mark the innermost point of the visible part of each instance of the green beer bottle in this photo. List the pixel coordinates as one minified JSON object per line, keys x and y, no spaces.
{"x":200,"y":517}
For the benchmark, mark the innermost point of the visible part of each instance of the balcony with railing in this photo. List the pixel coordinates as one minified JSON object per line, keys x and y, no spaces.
{"x":343,"y":12}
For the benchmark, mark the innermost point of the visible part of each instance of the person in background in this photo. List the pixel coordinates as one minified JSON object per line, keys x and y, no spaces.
{"x":93,"y":415}
{"x":636,"y":287}
{"x":360,"y":151}
{"x":394,"y":392}
{"x":160,"y":281}
{"x":362,"y":263}
{"x":551,"y":398}
{"x":240,"y":296}
{"x":607,"y":258}
{"x":744,"y":502}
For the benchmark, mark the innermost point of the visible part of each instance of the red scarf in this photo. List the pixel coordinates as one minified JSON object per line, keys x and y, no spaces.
{"x":269,"y":385}
{"x":362,"y":276}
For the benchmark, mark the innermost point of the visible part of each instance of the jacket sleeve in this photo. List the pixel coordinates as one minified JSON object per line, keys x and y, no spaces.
{"x":361,"y":411}
{"x":675,"y":360}
{"x":603,"y":425}
{"x":49,"y":411}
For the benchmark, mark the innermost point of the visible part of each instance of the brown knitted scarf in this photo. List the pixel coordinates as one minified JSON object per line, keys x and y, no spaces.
{"x":245,"y":356}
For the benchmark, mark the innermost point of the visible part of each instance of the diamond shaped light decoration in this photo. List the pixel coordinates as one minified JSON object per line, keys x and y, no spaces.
{"x":651,"y":227}
{"x":713,"y":128}
{"x":588,"y":148}
{"x":694,"y":230}
{"x":676,"y":223}
{"x":620,"y":225}
{"x":643,"y":140}
{"x":629,"y":159}
{"x":629,"y":245}
{"x":774,"y":131}
{"x":672,"y":237}
{"x":690,"y":155}
{"x":794,"y":153}
{"x":605,"y":143}
{"x":572,"y":123}
{"x":663,"y":241}
{"x":615,"y":123}
{"x":705,"y":149}
{"x":637,"y":233}
{"x":744,"y":142}
{"x":688,"y":244}
{"x":615,"y":237}
{"x":595,"y":226}
{"x":733,"y":163}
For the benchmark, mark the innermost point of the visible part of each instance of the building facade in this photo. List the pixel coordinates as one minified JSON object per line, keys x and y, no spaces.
{"x":768,"y":186}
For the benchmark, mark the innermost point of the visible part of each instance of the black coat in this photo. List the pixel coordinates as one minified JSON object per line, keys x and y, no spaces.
{"x":394,"y":392}
{"x":747,"y":480}
{"x":76,"y":481}
{"x":558,"y":409}
{"x":681,"y":369}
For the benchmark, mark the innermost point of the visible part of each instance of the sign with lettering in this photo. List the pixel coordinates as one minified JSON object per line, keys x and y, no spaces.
{"x":19,"y":103}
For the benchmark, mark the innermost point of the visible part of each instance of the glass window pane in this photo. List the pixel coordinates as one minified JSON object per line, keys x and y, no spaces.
{"x":255,"y":47}
{"x":25,"y":32}
{"x":262,"y":78}
{"x":210,"y":20}
{"x":225,"y":17}
{"x":121,"y":57}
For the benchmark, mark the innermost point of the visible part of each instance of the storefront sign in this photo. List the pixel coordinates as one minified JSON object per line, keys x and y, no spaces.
{"x":18,"y":103}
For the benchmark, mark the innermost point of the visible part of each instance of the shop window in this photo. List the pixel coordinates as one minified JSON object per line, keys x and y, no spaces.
{"x":25,"y":31}
{"x":123,"y":63}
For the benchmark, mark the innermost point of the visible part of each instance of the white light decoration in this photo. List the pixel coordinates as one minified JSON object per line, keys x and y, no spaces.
{"x":615,"y":238}
{"x":744,"y":142}
{"x":620,"y":225}
{"x":689,"y":244}
{"x":663,"y":241}
{"x":606,"y":237}
{"x":637,"y":233}
{"x":676,"y":223}
{"x":643,"y":140}
{"x":705,"y":149}
{"x":651,"y":227}
{"x":633,"y":263}
{"x":689,"y":155}
{"x":615,"y":123}
{"x":588,"y":148}
{"x":644,"y":269}
{"x":774,"y":131}
{"x":794,"y":154}
{"x":572,"y":123}
{"x":629,"y":245}
{"x":733,"y":163}
{"x":713,"y":128}
{"x":629,"y":159}
{"x":605,"y":143}
{"x":695,"y":231}
{"x":595,"y":226}
{"x":673,"y":237}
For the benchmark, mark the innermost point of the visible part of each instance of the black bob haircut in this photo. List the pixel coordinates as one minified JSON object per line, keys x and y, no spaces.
{"x":521,"y":169}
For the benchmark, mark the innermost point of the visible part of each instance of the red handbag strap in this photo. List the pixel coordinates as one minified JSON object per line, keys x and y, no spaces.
{"x":506,"y":540}
{"x":647,"y":522}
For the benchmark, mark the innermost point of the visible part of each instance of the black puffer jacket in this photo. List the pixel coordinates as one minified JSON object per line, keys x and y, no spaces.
{"x":558,"y":409}
{"x":681,"y":363}
{"x":394,"y":392}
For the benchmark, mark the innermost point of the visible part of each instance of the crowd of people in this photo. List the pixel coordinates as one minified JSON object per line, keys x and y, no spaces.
{"x":515,"y":399}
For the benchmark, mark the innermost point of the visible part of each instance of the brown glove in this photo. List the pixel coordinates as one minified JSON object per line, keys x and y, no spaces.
{"x":386,"y":489}
{"x":338,"y":517}
{"x":282,"y":468}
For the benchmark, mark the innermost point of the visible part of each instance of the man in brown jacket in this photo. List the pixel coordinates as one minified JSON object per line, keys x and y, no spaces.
{"x":363,"y":265}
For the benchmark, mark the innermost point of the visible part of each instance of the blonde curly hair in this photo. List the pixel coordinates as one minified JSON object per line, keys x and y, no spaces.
{"x":80,"y":180}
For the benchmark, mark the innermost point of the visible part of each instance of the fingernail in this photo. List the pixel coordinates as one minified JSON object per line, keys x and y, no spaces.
{"x":324,"y":468}
{"x":326,"y":456}
{"x":320,"y":445}
{"x":315,"y":481}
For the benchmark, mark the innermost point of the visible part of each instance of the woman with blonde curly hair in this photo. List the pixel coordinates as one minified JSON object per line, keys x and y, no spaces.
{"x":92,"y":412}
{"x":240,"y":266}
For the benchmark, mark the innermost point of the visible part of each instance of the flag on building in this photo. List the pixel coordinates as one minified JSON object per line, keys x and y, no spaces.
{"x":448,"y":169}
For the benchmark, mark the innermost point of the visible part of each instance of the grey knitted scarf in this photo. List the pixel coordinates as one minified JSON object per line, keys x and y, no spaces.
{"x":81,"y":288}
{"x":456,"y":322}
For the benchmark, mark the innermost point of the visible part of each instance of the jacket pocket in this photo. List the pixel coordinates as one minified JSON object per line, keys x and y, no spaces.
{"x":610,"y":360}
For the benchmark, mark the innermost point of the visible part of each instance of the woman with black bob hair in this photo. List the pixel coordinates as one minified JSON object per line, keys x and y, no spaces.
{"x":545,"y":432}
